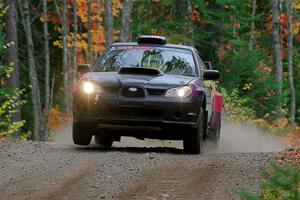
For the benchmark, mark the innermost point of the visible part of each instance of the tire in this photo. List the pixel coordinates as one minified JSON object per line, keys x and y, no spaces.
{"x":104,"y":141}
{"x":192,"y":143}
{"x":82,"y":133}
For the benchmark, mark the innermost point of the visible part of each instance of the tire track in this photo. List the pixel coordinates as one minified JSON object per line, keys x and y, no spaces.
{"x":175,"y":182}
{"x":68,"y":182}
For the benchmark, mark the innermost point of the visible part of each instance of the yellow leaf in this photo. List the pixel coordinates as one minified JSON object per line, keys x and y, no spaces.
{"x":42,"y":19}
{"x":297,"y":5}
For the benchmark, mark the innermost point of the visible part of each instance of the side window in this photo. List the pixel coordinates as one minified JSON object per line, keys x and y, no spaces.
{"x":201,"y":64}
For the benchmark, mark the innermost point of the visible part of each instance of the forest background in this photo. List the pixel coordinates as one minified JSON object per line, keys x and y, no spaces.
{"x":254,"y":44}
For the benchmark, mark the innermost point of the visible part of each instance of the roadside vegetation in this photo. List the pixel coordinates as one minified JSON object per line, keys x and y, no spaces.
{"x":9,"y":96}
{"x":282,"y":183}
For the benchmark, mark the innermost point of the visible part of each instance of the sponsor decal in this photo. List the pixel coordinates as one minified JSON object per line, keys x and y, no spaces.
{"x":126,"y":47}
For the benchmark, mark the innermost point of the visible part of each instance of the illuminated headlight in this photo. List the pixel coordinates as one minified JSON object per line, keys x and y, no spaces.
{"x":182,"y":92}
{"x":89,"y":87}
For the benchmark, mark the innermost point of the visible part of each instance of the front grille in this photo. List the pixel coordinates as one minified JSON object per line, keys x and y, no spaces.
{"x":132,"y":92}
{"x":110,"y":89}
{"x":156,"y":92}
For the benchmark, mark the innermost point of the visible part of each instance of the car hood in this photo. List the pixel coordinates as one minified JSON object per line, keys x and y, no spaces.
{"x":164,"y":81}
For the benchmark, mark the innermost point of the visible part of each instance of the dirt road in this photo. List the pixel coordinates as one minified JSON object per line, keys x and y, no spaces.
{"x":60,"y":170}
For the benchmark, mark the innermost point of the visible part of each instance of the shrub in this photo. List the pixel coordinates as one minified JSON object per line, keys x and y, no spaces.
{"x":236,"y":107}
{"x":9,"y":102}
{"x":282,"y":183}
{"x":9,"y":97}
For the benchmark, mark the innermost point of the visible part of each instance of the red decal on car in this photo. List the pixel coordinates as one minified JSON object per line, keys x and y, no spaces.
{"x":218,"y":102}
{"x":131,"y":47}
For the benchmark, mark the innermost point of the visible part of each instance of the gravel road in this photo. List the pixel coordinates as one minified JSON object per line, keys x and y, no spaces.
{"x":60,"y":170}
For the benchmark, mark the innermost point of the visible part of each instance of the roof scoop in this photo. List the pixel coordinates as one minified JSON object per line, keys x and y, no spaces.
{"x":140,"y":71}
{"x":152,"y":39}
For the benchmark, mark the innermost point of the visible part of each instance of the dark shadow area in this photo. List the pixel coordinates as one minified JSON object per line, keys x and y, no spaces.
{"x":135,"y":150}
{"x":235,"y":138}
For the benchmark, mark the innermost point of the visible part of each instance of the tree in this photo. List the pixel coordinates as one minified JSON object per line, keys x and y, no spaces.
{"x":109,"y":23}
{"x":252,"y":36}
{"x":65,"y":57}
{"x":277,"y":53}
{"x":190,"y":23}
{"x":12,"y":55}
{"x":126,"y":21}
{"x":10,"y":102}
{"x":35,"y":90}
{"x":44,"y":137}
{"x":75,"y":41}
{"x":12,"y":36}
{"x":290,"y":9}
{"x":98,"y":42}
{"x":89,"y":28}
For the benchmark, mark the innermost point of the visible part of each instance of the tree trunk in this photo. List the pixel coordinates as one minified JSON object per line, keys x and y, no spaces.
{"x":233,"y":19}
{"x":290,"y":10}
{"x":99,"y":23}
{"x":35,"y":91}
{"x":89,"y":24}
{"x":190,"y":23}
{"x":65,"y":57}
{"x":47,"y":73}
{"x":109,"y":23}
{"x":52,"y":91}
{"x":252,"y":36}
{"x":75,"y":42}
{"x":277,"y":54}
{"x":126,"y":21}
{"x":139,"y":20}
{"x":12,"y":53}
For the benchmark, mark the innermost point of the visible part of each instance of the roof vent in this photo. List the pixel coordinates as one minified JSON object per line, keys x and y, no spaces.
{"x":152,"y":39}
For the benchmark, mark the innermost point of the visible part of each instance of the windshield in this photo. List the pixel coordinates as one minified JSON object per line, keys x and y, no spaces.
{"x":169,"y":61}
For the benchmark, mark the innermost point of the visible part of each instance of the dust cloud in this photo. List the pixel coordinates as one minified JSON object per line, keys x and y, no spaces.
{"x":244,"y":138}
{"x":63,"y":135}
{"x":235,"y":138}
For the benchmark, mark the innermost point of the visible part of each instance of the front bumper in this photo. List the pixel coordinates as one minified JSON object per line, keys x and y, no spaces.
{"x":157,"y":111}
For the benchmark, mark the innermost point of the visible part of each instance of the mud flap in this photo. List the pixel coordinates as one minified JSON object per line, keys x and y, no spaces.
{"x":218,"y":102}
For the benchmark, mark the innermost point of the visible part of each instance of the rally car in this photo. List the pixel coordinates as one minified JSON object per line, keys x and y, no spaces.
{"x":146,"y":89}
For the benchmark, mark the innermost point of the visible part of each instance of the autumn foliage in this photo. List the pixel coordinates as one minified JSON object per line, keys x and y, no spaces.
{"x":97,"y":26}
{"x":58,"y":118}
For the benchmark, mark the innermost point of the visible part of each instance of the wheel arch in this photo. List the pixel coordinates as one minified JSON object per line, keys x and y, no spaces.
{"x":204,"y":103}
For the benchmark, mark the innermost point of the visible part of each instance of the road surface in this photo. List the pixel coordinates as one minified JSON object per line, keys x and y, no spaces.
{"x":132,"y":169}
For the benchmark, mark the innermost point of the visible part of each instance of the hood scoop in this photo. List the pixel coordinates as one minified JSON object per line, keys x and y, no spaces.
{"x":140,"y":71}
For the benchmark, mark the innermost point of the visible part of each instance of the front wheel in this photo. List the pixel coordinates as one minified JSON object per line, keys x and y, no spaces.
{"x":81,"y":133}
{"x":192,"y":142}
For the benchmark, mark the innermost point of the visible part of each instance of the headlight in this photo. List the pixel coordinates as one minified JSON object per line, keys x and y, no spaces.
{"x":89,"y":87}
{"x":182,"y":92}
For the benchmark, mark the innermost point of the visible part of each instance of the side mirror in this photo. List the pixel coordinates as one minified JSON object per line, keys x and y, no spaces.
{"x":83,"y":68}
{"x":211,"y":75}
{"x":208,"y":65}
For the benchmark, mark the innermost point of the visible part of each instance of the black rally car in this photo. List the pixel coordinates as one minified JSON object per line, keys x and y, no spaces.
{"x":148,"y":89}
